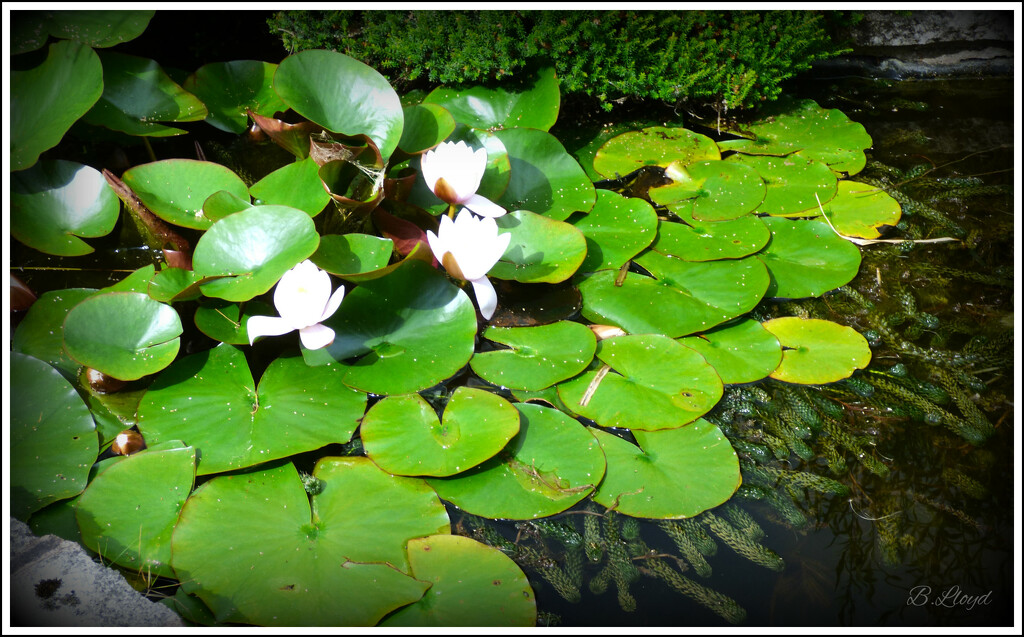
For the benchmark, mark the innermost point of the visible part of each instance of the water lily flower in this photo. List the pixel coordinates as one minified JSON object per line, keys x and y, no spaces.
{"x":303,"y":299}
{"x":468,"y":248}
{"x":453,"y":172}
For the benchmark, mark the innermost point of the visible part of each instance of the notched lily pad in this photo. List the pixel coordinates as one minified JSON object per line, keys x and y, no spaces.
{"x":816,"y":351}
{"x":859,"y":210}
{"x":537,"y":357}
{"x":653,"y":146}
{"x":711,"y":190}
{"x":542,"y":250}
{"x":544,"y":178}
{"x":296,"y":185}
{"x":534,"y":104}
{"x":176,"y":189}
{"x":711,"y":240}
{"x":741,"y":351}
{"x":806,"y":258}
{"x":229,"y":89}
{"x":791,"y":182}
{"x":616,"y":230}
{"x":349,"y":256}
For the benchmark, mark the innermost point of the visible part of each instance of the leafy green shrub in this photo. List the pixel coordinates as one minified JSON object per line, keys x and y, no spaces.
{"x":734,"y":59}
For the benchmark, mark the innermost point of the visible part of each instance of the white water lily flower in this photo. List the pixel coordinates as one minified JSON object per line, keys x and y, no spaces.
{"x":303,"y":299}
{"x":453,"y":172}
{"x":468,"y":248}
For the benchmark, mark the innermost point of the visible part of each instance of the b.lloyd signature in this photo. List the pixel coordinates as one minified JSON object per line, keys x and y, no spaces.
{"x":951,"y":597}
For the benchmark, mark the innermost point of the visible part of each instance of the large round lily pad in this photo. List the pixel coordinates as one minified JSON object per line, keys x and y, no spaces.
{"x":711,"y":240}
{"x":251,"y":250}
{"x":126,"y":335}
{"x":176,"y":189}
{"x":741,"y":351}
{"x":404,"y":332}
{"x":816,"y":352}
{"x":538,"y":356}
{"x":40,"y":333}
{"x":616,"y":230}
{"x":653,"y":383}
{"x":53,"y":438}
{"x":129,"y":509}
{"x":711,"y":190}
{"x":296,"y":185}
{"x":471,"y":584}
{"x":350,"y":256}
{"x":806,"y":258}
{"x":673,"y":474}
{"x":319,"y":565}
{"x":653,"y":146}
{"x":230,"y":88}
{"x":426,"y":126}
{"x":403,"y":435}
{"x":542,"y":250}
{"x":296,"y":408}
{"x":533,"y":105}
{"x":551,"y":464}
{"x":55,"y":202}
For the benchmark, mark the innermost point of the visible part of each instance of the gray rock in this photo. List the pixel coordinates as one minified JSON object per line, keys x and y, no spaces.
{"x":54,"y":582}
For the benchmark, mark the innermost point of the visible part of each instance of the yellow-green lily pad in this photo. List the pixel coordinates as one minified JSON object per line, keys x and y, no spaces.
{"x":815,"y":351}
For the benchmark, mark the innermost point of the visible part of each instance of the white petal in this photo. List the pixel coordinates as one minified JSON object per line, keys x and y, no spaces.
{"x":483,"y":206}
{"x":333,"y":304}
{"x":486,"y":297}
{"x":266,"y":326}
{"x":430,"y":168}
{"x":316,"y":336}
{"x":302,"y":294}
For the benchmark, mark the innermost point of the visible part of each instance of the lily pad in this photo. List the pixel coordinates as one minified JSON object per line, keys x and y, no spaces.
{"x":616,"y":230}
{"x":543,"y":177}
{"x":343,"y":95}
{"x":653,"y":146}
{"x":403,"y":435}
{"x":806,"y":258}
{"x":171,"y":285}
{"x":251,"y":250}
{"x":350,"y":255}
{"x":305,"y":565}
{"x":426,"y":126}
{"x":47,"y":99}
{"x":859,"y":210}
{"x":405,"y":331}
{"x":223,"y":203}
{"x":98,"y":29}
{"x":41,"y":332}
{"x":52,"y":437}
{"x":55,"y":202}
{"x":296,"y":408}
{"x":542,"y":250}
{"x":126,"y":335}
{"x":471,"y":584}
{"x":673,"y":474}
{"x":711,"y":240}
{"x":816,"y":352}
{"x":712,"y":190}
{"x":225,"y":321}
{"x":176,"y":189}
{"x":230,"y":88}
{"x":551,"y":464}
{"x":129,"y":509}
{"x":654,"y":383}
{"x":741,"y":352}
{"x":296,"y":185}
{"x":538,"y":357}
{"x":138,"y":94}
{"x":791,"y":182}
{"x":533,"y":105}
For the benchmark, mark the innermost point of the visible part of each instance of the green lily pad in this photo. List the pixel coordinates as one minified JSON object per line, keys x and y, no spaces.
{"x":712,"y":190}
{"x":41,"y":332}
{"x":138,"y":94}
{"x":741,"y":352}
{"x":801,"y":126}
{"x":296,"y":408}
{"x":296,"y":185}
{"x":816,"y":352}
{"x":685,"y":297}
{"x":542,"y":250}
{"x":859,"y":210}
{"x":654,"y":383}
{"x":55,"y":202}
{"x":129,"y":509}
{"x":534,"y":105}
{"x":791,"y":182}
{"x":711,"y":240}
{"x":673,"y":474}
{"x":223,"y":203}
{"x":225,"y":321}
{"x":350,"y":255}
{"x":175,"y":284}
{"x":426,"y":126}
{"x":406,"y":331}
{"x":48,"y":99}
{"x":653,"y":146}
{"x":551,"y":464}
{"x":126,"y":335}
{"x":137,"y":281}
{"x":251,"y":250}
{"x":343,"y":95}
{"x":306,"y":565}
{"x":230,"y":88}
{"x":806,"y":258}
{"x":403,"y":435}
{"x":98,"y":29}
{"x":539,"y":357}
{"x":616,"y":229}
{"x":471,"y":584}
{"x":544,"y":178}
{"x":176,"y":189}
{"x":52,"y":437}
